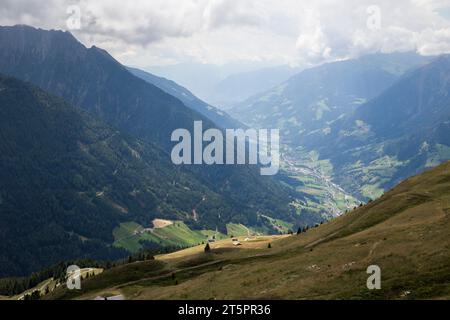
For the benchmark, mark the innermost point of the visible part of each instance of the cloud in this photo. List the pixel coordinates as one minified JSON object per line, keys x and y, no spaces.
{"x":220,"y":13}
{"x":312,"y":43}
{"x":136,"y":22}
{"x":432,"y":42}
{"x":143,"y":32}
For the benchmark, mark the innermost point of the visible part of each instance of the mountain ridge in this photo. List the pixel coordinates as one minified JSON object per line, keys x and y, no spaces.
{"x":93,"y":80}
{"x":219,"y":117}
{"x":68,"y":180}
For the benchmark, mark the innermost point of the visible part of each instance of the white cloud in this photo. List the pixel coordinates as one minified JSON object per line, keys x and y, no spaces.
{"x":219,"y":13}
{"x":312,"y":43}
{"x":220,"y":31}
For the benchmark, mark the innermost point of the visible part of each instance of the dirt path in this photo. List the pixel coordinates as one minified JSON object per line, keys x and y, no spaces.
{"x":372,"y":249}
{"x":320,"y":240}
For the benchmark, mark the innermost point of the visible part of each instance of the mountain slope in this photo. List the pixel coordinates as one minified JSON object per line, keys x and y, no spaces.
{"x":405,"y":233}
{"x":241,"y":86}
{"x":219,"y":117}
{"x":91,"y":79}
{"x":397,"y":134}
{"x":363,"y":119}
{"x":204,"y":80}
{"x":305,"y":105}
{"x":199,"y":78}
{"x":67,"y":180}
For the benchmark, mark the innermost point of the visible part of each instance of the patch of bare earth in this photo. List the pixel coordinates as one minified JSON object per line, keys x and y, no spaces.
{"x":161,"y":223}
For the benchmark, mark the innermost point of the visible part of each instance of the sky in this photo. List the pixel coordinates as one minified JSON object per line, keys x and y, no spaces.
{"x":299,"y":33}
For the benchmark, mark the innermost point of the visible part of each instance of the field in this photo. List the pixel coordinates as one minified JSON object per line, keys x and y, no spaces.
{"x":131,"y":235}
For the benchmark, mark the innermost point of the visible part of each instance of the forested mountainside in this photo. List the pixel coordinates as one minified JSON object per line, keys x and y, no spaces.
{"x":67,"y":180}
{"x":91,"y":79}
{"x":219,"y":117}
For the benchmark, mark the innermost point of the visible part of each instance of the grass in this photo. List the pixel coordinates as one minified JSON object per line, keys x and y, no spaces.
{"x":280,"y":225}
{"x":177,"y":234}
{"x":373,"y":173}
{"x":211,"y":233}
{"x":126,"y":238}
{"x":134,"y":243}
{"x":237,"y":230}
{"x":126,"y":229}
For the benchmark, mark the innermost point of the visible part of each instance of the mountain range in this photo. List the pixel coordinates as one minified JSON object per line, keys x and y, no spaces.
{"x":85,"y":169}
{"x":226,"y":85}
{"x":374,"y":121}
{"x":401,"y":132}
{"x":102,"y":120}
{"x":89,"y":78}
{"x":241,"y":86}
{"x":312,"y":99}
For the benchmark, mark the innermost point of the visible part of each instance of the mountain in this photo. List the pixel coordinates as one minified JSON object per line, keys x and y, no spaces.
{"x":91,"y":79}
{"x":404,"y":233}
{"x":241,"y":86}
{"x":224,"y":85}
{"x":219,"y":117}
{"x":326,"y":115}
{"x":399,"y":133}
{"x":68,"y":180}
{"x":307,"y":103}
{"x":199,"y":78}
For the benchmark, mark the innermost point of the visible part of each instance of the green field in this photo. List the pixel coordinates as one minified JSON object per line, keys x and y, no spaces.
{"x":179,"y":234}
{"x":237,"y":230}
{"x":280,"y":225}
{"x":125,"y":238}
{"x":176,"y":235}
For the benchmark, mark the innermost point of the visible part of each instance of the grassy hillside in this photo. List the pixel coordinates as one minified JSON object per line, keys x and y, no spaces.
{"x":405,"y":232}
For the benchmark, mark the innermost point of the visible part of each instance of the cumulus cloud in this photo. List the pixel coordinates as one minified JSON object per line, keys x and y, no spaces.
{"x":220,"y":13}
{"x":312,"y":43}
{"x":143,"y":33}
